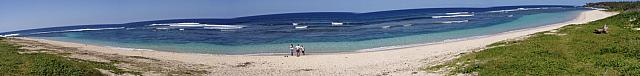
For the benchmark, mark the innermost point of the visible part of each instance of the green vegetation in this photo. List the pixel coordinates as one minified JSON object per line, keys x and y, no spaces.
{"x":617,"y":6}
{"x":13,"y":63}
{"x":579,"y":52}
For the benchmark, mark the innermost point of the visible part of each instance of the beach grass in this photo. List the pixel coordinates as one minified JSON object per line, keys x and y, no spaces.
{"x":572,"y":50}
{"x":12,"y":63}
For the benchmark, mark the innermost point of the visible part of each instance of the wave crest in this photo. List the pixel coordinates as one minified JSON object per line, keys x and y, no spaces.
{"x":518,"y":9}
{"x":9,"y":35}
{"x":78,"y":30}
{"x":451,"y":16}
{"x":462,"y":21}
{"x":205,"y":26}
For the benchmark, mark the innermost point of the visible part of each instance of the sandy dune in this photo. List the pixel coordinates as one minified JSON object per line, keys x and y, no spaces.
{"x":405,"y":61}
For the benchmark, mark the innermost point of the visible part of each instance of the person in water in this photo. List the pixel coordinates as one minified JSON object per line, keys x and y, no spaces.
{"x":292,"y":49}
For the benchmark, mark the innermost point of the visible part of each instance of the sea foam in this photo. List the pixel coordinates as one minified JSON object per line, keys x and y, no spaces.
{"x":450,"y":16}
{"x":455,"y":13}
{"x":205,"y":26}
{"x":78,"y":30}
{"x":518,"y":9}
{"x":462,"y":21}
{"x":9,"y":35}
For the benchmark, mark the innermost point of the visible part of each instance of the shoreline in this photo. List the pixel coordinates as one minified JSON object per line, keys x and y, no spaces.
{"x":359,"y":46}
{"x":405,"y":60}
{"x":365,"y":50}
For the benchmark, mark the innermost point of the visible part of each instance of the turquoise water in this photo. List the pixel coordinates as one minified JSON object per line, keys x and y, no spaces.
{"x":526,"y":21}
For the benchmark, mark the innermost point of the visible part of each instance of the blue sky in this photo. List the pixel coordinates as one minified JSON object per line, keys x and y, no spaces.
{"x":29,"y":14}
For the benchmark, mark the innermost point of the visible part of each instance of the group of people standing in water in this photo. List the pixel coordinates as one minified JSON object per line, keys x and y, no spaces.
{"x":297,"y":49}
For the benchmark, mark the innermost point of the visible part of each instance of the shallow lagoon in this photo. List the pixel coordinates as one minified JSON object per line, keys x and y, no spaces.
{"x":320,"y":36}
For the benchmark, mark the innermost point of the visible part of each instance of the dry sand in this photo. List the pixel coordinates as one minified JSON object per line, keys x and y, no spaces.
{"x":405,"y":61}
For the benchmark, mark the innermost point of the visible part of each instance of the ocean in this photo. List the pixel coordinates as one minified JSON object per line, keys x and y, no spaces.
{"x":319,"y":32}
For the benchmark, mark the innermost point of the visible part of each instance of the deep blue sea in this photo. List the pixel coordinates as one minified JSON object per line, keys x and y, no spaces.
{"x":319,"y":32}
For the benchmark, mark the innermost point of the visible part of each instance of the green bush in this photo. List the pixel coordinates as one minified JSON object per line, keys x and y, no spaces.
{"x":616,"y":6}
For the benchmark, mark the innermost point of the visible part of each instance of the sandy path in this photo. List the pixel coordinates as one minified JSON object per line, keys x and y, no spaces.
{"x":406,"y":61}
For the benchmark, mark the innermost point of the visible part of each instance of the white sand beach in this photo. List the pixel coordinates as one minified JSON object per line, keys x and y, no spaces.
{"x":404,"y":61}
